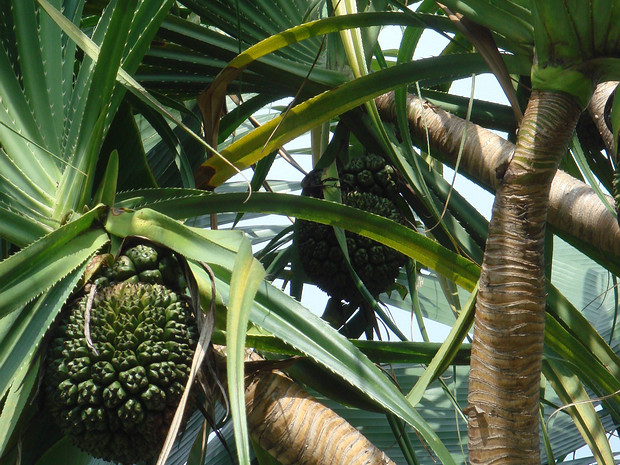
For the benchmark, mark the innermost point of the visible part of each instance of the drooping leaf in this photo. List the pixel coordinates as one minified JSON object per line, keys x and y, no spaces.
{"x":246,"y":277}
{"x":214,"y":247}
{"x":397,"y":236}
{"x":42,"y":264}
{"x":312,"y":112}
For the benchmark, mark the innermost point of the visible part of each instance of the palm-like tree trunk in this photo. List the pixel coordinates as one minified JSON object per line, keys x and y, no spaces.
{"x":506,"y":355}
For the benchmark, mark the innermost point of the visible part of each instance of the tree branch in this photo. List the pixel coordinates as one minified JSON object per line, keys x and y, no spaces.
{"x":296,"y":429}
{"x":596,"y":108}
{"x":574,"y":208}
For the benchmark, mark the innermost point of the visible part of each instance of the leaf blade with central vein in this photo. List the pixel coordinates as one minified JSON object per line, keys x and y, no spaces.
{"x":37,"y":267}
{"x":413,"y":244}
{"x":246,"y":277}
{"x":209,"y":246}
{"x":303,"y":117}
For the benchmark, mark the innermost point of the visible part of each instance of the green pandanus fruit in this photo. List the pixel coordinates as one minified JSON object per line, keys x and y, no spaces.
{"x":119,"y":360}
{"x":366,"y":183}
{"x":144,"y":263}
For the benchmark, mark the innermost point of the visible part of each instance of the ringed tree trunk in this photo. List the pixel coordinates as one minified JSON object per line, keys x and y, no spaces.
{"x":297,"y":429}
{"x":294,"y":427}
{"x":509,"y":322}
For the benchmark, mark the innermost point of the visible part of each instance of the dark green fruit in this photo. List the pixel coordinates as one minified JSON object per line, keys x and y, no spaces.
{"x":147,"y":264}
{"x":320,"y":254}
{"x":372,"y":174}
{"x":115,"y":396}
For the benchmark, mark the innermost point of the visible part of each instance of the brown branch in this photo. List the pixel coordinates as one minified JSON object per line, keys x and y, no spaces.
{"x":574,"y":208}
{"x":295,"y":428}
{"x":596,"y":108}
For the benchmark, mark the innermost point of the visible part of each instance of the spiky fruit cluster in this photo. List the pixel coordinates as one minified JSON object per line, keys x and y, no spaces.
{"x":117,"y":367}
{"x":147,"y":264}
{"x":320,"y":253}
{"x":371,"y":174}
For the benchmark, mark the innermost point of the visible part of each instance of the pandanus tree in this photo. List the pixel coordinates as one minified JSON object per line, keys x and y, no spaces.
{"x":572,"y":52}
{"x":92,"y":162}
{"x":507,"y":352}
{"x":76,"y":192}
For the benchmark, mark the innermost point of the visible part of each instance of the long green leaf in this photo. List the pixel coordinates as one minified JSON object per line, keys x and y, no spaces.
{"x":412,"y":171}
{"x":19,"y":162}
{"x":19,"y":229}
{"x":32,"y":62}
{"x":133,"y":169}
{"x":284,"y":317}
{"x":447,"y":352}
{"x":172,"y":142}
{"x":206,"y":325}
{"x":199,"y":42}
{"x":107,"y":189}
{"x":287,"y":319}
{"x":80,"y":80}
{"x":128,"y":82}
{"x":145,"y":25}
{"x":580,"y":361}
{"x":401,"y":238}
{"x":508,"y":18}
{"x":260,"y":19}
{"x":301,"y":118}
{"x":247,"y":275}
{"x":36,"y":268}
{"x":25,"y":90}
{"x":15,"y":111}
{"x":53,"y":49}
{"x":16,"y":191}
{"x":24,"y":380}
{"x":581,"y":408}
{"x":22,"y":334}
{"x":210,"y":246}
{"x":313,"y":29}
{"x":377,"y":351}
{"x":23,"y":157}
{"x":580,"y":158}
{"x":74,"y":189}
{"x":574,"y":321}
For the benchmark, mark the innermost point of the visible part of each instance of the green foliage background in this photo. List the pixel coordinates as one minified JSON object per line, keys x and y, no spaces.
{"x":100,"y":140}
